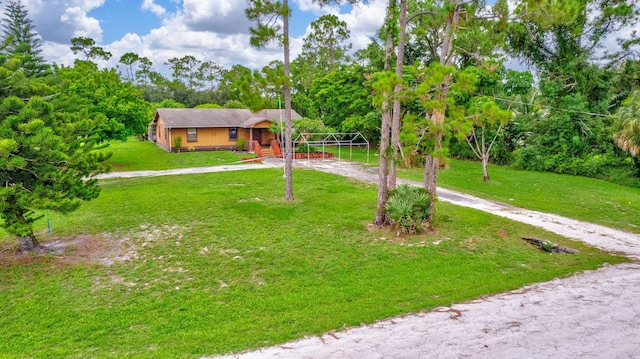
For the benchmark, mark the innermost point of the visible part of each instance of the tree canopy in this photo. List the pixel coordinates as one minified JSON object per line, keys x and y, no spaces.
{"x":431,"y":85}
{"x":21,"y":40}
{"x":47,"y":154}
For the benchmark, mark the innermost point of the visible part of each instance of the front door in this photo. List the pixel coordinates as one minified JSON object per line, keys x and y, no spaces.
{"x":262,"y":136}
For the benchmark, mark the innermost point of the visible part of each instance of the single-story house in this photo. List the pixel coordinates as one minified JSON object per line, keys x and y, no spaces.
{"x":205,"y":129}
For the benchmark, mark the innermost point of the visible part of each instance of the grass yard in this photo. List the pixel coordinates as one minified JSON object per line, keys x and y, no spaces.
{"x":135,"y":155}
{"x":582,"y":198}
{"x":186,"y":266}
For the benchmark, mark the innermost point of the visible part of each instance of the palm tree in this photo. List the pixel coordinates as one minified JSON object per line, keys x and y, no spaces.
{"x":627,"y":125}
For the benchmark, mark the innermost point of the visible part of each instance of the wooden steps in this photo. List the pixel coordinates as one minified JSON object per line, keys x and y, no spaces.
{"x":268,"y":152}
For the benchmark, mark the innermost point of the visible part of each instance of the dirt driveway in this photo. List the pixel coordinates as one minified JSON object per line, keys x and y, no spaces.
{"x":594,"y":314}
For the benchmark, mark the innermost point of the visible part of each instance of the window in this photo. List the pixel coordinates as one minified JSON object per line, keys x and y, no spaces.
{"x":233,"y":133}
{"x":192,"y":135}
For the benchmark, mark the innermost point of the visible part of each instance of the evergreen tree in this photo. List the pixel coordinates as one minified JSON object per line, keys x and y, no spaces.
{"x":47,"y":155}
{"x":22,"y":40}
{"x":273,"y":18}
{"x":325,"y":45}
{"x":268,"y":13}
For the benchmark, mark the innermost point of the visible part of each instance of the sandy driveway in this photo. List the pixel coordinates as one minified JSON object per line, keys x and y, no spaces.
{"x":594,"y":314}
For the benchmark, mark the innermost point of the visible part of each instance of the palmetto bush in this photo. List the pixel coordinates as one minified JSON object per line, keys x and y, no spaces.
{"x":408,"y":208}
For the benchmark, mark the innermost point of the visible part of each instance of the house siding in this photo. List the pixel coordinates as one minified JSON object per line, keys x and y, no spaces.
{"x":160,"y":134}
{"x":209,"y":138}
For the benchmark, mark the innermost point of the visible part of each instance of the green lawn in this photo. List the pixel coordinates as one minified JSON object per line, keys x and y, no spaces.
{"x":582,"y":198}
{"x":135,"y":155}
{"x":219,"y":262}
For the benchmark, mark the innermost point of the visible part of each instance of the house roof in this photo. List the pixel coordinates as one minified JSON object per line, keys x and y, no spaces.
{"x":216,"y":117}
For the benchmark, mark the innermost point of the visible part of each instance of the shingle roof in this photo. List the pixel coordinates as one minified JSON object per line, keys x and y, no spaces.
{"x":216,"y":117}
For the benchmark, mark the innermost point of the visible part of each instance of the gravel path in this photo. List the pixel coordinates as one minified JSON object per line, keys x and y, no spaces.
{"x":594,"y":314}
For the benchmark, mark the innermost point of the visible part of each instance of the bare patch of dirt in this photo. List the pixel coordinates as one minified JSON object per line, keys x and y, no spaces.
{"x":104,"y":248}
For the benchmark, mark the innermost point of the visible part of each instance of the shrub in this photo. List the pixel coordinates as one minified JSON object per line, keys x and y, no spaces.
{"x":177,"y":143}
{"x":242,"y":144}
{"x":305,"y":148}
{"x":191,"y":149}
{"x":408,"y":208}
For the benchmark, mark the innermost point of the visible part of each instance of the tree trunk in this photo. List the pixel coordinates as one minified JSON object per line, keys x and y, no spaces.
{"x":288,"y":145}
{"x":397,"y":108}
{"x":381,"y":217}
{"x":437,"y":118}
{"x":485,"y":161}
{"x":383,"y":171}
{"x":28,"y":243}
{"x":432,"y":165}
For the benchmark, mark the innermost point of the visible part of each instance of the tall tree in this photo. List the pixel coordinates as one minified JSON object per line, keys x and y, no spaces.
{"x":209,"y":73}
{"x":268,"y":14}
{"x":385,"y":88}
{"x":325,"y":45}
{"x":143,"y":75}
{"x":186,"y":71}
{"x":22,"y":39}
{"x":102,"y":93}
{"x":323,"y":49}
{"x":445,"y":24}
{"x":47,"y":156}
{"x":562,"y":42}
{"x":87,"y":46}
{"x":129,"y":60}
{"x":397,"y":90}
{"x":452,"y":13}
{"x":245,"y":86}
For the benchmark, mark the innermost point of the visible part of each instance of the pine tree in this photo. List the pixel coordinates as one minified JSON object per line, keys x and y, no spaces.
{"x":22,"y":39}
{"x":325,"y":45}
{"x":273,"y":18}
{"x":47,"y":155}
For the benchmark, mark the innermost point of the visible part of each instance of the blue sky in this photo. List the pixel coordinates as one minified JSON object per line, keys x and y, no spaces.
{"x":210,"y":30}
{"x":130,"y":18}
{"x":117,"y":18}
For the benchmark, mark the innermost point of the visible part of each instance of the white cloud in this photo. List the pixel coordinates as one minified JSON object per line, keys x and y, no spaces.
{"x":219,"y":16}
{"x":210,"y":30}
{"x":177,"y":40}
{"x":58,"y":53}
{"x":365,"y":18}
{"x":75,"y":18}
{"x":59,"y":20}
{"x":309,"y":5}
{"x":149,"y":5}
